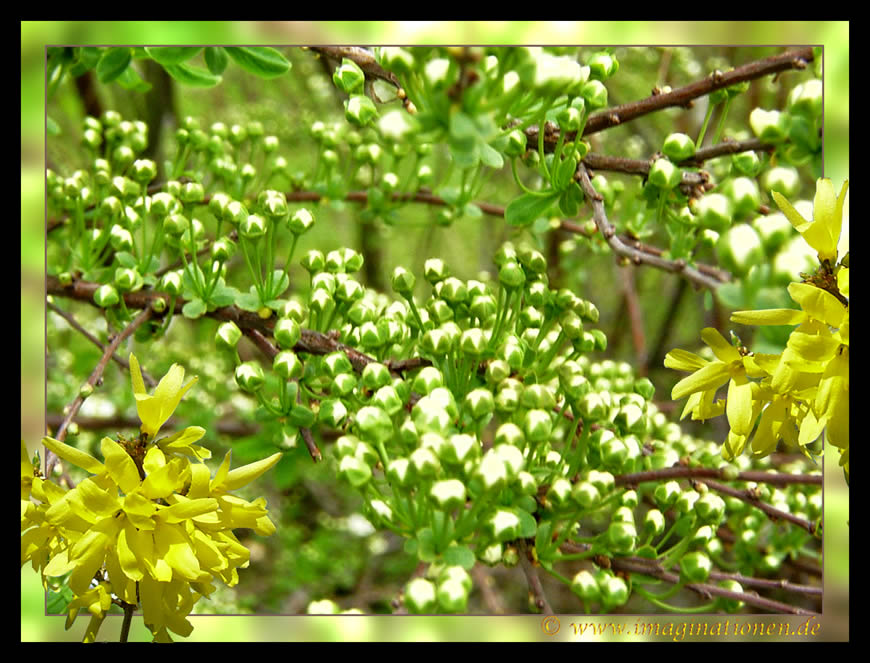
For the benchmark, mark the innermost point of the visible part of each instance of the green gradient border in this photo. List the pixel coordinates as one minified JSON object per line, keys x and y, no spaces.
{"x":833,"y":35}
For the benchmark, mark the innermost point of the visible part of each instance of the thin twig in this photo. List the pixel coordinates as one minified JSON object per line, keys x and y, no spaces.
{"x":703,"y":473}
{"x":620,"y":248}
{"x":536,"y":589}
{"x":123,"y":363}
{"x":94,"y":380}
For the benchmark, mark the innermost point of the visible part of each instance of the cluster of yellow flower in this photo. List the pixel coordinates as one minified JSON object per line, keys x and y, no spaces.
{"x":151,"y":527}
{"x":803,"y":391}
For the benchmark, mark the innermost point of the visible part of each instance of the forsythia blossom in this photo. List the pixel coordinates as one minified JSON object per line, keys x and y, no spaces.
{"x":802,"y":392}
{"x":150,"y":527}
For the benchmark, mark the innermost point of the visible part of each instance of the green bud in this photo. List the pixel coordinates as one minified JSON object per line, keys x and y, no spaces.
{"x":654,"y":523}
{"x":713,"y":211}
{"x":614,"y":591}
{"x":806,"y":98}
{"x":343,"y":384}
{"x":664,"y":174}
{"x":374,"y":424}
{"x":434,"y":270}
{"x":538,"y":425}
{"x":360,"y":110}
{"x":287,"y":333}
{"x":356,"y":472}
{"x":595,"y":94}
{"x":228,"y":335}
{"x":516,"y":145}
{"x":348,"y":77}
{"x":511,"y":275}
{"x":744,"y":195}
{"x":473,"y":342}
{"x":420,"y":596}
{"x":460,"y":448}
{"x":448,"y":494}
{"x":503,"y":525}
{"x":287,"y":365}
{"x":144,"y":170}
{"x":678,"y":147}
{"x":746,"y":163}
{"x":739,"y":249}
{"x":249,"y":376}
{"x":769,"y":126}
{"x":162,"y":203}
{"x":479,"y":403}
{"x":710,"y":508}
{"x":695,"y":567}
{"x":253,"y":227}
{"x":120,"y":238}
{"x":585,"y":586}
{"x":106,"y":296}
{"x":127,"y":279}
{"x":301,"y":221}
{"x":171,"y":283}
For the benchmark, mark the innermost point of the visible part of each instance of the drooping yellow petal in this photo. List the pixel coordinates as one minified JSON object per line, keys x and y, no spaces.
{"x":172,"y":545}
{"x":75,"y":456}
{"x":711,"y":376}
{"x":723,"y":350}
{"x":120,"y":465}
{"x":185,"y":509}
{"x":683,"y":360}
{"x":843,"y":281}
{"x":817,"y":303}
{"x":772,"y":316}
{"x":733,"y":445}
{"x":738,"y":405}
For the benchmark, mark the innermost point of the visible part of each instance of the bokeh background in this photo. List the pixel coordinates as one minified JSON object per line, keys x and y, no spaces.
{"x":35,"y":35}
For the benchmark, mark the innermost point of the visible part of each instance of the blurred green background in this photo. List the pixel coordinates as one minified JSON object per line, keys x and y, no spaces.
{"x":834,"y":36}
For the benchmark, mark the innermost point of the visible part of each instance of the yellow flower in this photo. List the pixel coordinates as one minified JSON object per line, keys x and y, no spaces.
{"x":728,"y":367}
{"x":823,"y":232}
{"x":155,"y":409}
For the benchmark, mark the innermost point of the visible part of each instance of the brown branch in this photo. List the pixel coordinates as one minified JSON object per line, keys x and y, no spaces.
{"x":536,"y":589}
{"x":683,"y":96}
{"x":772,"y":512}
{"x":654,"y":569}
{"x":94,"y":380}
{"x":620,"y":248}
{"x":123,"y":363}
{"x":703,"y":473}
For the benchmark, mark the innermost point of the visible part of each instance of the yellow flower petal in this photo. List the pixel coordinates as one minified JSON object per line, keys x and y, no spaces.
{"x":723,"y":350}
{"x":119,"y":465}
{"x":74,"y":456}
{"x":711,"y":376}
{"x":683,"y":360}
{"x":244,"y":475}
{"x":773,"y":316}
{"x":738,"y":406}
{"x":818,"y":303}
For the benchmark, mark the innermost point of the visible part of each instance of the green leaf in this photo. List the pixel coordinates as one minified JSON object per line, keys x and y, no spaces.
{"x":126,"y":259}
{"x":529,"y":206}
{"x":426,"y":545}
{"x":194,"y":308}
{"x":528,"y":524}
{"x":52,"y":128}
{"x":216,"y":59}
{"x":490,"y":157}
{"x":223,"y":295}
{"x":459,"y":556}
{"x":113,"y":63}
{"x":248,"y":301}
{"x":187,"y":74}
{"x":87,"y":58}
{"x":564,"y":174}
{"x":172,"y":54}
{"x":130,"y":80}
{"x":262,"y":61}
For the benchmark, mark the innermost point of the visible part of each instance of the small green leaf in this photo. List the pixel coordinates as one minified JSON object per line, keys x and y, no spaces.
{"x":87,"y":58}
{"x":459,"y":556}
{"x":490,"y":157}
{"x":528,"y":524}
{"x":216,"y":59}
{"x":126,"y":259}
{"x":529,"y":206}
{"x":223,"y":295}
{"x":248,"y":301}
{"x":52,"y":128}
{"x":113,"y":63}
{"x":130,"y":80}
{"x":194,"y":308}
{"x":426,"y":545}
{"x":564,"y":174}
{"x":262,"y":61}
{"x":172,"y":54}
{"x":187,"y":74}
